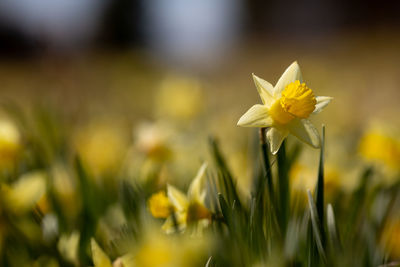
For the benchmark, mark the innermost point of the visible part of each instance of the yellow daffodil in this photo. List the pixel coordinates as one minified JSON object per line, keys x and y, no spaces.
{"x":25,"y":193}
{"x":188,"y":208}
{"x":159,"y":205}
{"x":10,"y":143}
{"x":179,"y":98}
{"x":382,"y":146}
{"x":285,"y":109}
{"x":390,"y":238}
{"x":102,"y":146}
{"x":159,"y":250}
{"x":68,"y":245}
{"x":152,"y":140}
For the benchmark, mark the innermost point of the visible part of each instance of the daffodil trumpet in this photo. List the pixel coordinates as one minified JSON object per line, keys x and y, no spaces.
{"x":286,"y":109}
{"x":181,"y":210}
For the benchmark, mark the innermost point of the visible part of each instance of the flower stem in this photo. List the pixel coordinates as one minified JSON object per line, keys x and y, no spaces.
{"x":283,"y":188}
{"x":267,"y":165}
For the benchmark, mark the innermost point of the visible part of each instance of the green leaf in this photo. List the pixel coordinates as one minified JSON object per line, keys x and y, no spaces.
{"x":210,"y":262}
{"x":89,"y":213}
{"x":319,"y":191}
{"x":332,"y":229}
{"x":316,"y":226}
{"x":226,"y":211}
{"x":225,"y":176}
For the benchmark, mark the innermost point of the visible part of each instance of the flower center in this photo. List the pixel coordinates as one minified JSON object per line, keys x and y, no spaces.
{"x":297,"y":100}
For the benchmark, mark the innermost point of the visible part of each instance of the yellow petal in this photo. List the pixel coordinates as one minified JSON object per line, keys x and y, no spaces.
{"x":159,"y":205}
{"x":322,"y":102}
{"x":26,"y":192}
{"x":256,"y":116}
{"x":291,"y":74}
{"x":100,"y":259}
{"x":305,"y":131}
{"x":265,"y":89}
{"x":177,"y":198}
{"x":196,"y":191}
{"x":275,"y":138}
{"x":68,"y":246}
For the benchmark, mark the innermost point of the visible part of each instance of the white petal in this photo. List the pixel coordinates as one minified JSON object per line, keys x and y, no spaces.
{"x":305,"y":131}
{"x":291,"y":74}
{"x":275,"y":138}
{"x":196,"y":191}
{"x":322,"y":102}
{"x":169,"y":225}
{"x":265,"y":89}
{"x":256,"y":116}
{"x":177,"y":198}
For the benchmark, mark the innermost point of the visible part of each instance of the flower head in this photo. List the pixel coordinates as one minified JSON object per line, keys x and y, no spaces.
{"x":285,"y":109}
{"x":183,"y":208}
{"x":10,"y":143}
{"x":159,"y":205}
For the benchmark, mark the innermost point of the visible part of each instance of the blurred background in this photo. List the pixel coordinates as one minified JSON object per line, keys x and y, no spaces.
{"x":127,"y":62}
{"x":120,"y":60}
{"x":111,"y":55}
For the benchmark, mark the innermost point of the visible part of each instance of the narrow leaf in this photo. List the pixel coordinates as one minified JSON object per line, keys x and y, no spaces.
{"x":332,"y":228}
{"x":316,"y":226}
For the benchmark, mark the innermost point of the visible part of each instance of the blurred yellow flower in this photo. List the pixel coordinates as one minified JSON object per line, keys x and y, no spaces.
{"x":24,"y":194}
{"x":302,"y":178}
{"x":189,"y":208}
{"x":152,"y":139}
{"x":68,"y":246}
{"x":179,"y":98}
{"x":10,"y":143}
{"x":381,"y":146}
{"x":286,"y":108}
{"x":158,"y":250}
{"x":159,"y":205}
{"x":391,"y":238}
{"x":102,"y":146}
{"x":65,"y":190}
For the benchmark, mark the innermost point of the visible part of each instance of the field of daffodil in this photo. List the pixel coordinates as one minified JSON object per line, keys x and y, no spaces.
{"x":168,"y":176}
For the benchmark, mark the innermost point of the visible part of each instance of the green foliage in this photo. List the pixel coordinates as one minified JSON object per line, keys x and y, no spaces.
{"x":270,"y":226}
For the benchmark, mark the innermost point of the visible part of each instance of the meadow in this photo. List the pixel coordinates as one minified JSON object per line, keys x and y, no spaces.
{"x":114,"y":160}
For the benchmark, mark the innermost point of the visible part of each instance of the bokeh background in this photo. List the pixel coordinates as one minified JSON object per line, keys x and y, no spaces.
{"x":109,"y":56}
{"x":118,"y":62}
{"x":126,"y":63}
{"x":108,"y":61}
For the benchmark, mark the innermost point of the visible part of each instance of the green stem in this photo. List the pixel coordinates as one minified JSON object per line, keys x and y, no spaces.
{"x":319,"y":192}
{"x":267,"y":165}
{"x":283,"y":187}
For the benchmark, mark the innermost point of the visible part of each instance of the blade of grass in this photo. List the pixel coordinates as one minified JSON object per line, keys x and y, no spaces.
{"x":224,"y":174}
{"x":316,"y":227}
{"x":88,"y":214}
{"x":332,"y":229}
{"x":319,"y":190}
{"x":226,"y":211}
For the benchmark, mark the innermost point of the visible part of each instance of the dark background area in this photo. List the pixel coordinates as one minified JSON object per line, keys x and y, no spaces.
{"x":122,"y":24}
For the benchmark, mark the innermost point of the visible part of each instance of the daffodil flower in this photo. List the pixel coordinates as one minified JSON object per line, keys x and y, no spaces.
{"x":188,"y":208}
{"x":159,"y":205}
{"x":286,"y":109}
